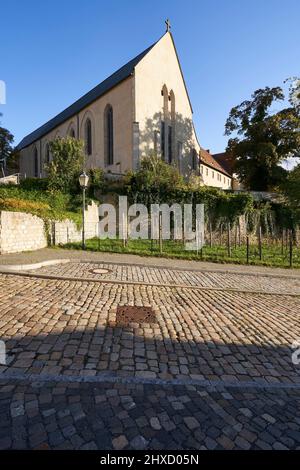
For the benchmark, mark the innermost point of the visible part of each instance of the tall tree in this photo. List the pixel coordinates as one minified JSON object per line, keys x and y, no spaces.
{"x":263,"y":139}
{"x":294,"y":92}
{"x":6,"y":148}
{"x":291,"y":188}
{"x":66,"y":165}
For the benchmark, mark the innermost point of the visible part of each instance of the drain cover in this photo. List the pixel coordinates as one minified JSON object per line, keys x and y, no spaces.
{"x":99,"y":271}
{"x":131,"y":314}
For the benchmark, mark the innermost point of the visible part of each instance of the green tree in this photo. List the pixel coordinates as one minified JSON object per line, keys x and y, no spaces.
{"x":155,"y":181}
{"x":66,"y":165}
{"x":263,"y":139}
{"x":291,"y":188}
{"x":13,"y":162}
{"x":6,"y":140}
{"x":96,"y":181}
{"x":6,"y":148}
{"x":294,"y":92}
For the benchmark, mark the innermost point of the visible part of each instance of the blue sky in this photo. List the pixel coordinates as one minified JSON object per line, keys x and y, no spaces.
{"x":53,"y":52}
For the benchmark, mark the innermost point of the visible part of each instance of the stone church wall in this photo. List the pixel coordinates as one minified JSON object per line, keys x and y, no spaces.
{"x":120,"y":98}
{"x":159,"y":72}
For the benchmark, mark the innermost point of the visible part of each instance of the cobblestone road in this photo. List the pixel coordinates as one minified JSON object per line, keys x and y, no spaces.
{"x":105,"y":416}
{"x":213,"y":371}
{"x":164,"y":276}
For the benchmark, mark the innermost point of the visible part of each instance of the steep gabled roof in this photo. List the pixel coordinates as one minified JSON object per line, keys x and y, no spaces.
{"x":207,"y":159}
{"x":180,"y":68}
{"x":109,"y":83}
{"x":225,"y":161}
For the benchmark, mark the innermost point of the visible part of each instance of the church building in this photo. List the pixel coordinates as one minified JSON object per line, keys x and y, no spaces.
{"x":140,"y":110}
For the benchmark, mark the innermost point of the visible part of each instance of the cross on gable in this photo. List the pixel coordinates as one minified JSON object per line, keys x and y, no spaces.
{"x":168,"y":24}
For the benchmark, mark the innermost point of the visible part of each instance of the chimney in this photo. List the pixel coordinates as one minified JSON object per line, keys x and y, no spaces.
{"x":208,"y":150}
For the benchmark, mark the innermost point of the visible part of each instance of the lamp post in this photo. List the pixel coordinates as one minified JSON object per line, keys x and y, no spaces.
{"x":83,"y":181}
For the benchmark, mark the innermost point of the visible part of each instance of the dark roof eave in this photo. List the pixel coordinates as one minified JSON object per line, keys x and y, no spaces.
{"x":43,"y":133}
{"x":100,"y":90}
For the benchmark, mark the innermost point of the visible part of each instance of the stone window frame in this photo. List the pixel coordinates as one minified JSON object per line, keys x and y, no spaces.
{"x":35,"y":162}
{"x":171,"y":127}
{"x":88,"y":138}
{"x":88,"y":116}
{"x":164,"y":123}
{"x":108,"y":135}
{"x":47,"y":153}
{"x":71,"y":131}
{"x":194,"y":160}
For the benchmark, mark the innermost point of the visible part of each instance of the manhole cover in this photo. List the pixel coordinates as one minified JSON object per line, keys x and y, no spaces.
{"x":99,"y":271}
{"x":130,"y":314}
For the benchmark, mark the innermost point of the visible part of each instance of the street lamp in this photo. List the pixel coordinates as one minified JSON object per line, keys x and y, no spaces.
{"x":83,"y":181}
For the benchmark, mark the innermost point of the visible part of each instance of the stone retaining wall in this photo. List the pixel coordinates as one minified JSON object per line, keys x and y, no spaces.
{"x":66,"y":231}
{"x":20,"y":231}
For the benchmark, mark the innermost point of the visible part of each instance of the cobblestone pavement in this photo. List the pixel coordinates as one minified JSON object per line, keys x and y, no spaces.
{"x":105,"y":416}
{"x":47,"y":254}
{"x":163,"y":276}
{"x":69,"y":327}
{"x":213,"y":371}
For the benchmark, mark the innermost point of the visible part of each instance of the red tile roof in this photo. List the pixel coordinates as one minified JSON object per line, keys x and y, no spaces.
{"x":207,"y":159}
{"x":225,"y":161}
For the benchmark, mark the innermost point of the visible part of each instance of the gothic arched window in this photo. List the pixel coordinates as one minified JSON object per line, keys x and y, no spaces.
{"x":47,"y":154}
{"x":108,"y":135}
{"x":165,"y":117}
{"x":194,"y":160}
{"x":88,"y":137}
{"x":171,"y":131}
{"x":72,"y":133}
{"x":36,"y":163}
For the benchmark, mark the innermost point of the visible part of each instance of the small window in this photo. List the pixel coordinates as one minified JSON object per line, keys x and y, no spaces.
{"x":206,"y":171}
{"x":162,"y":139}
{"x":36,"y":162}
{"x":156,"y":143}
{"x":194,"y":159}
{"x":88,"y":137}
{"x":179,"y":151}
{"x":213,"y":174}
{"x":108,"y":135}
{"x":72,"y":133}
{"x":47,"y":154}
{"x":170,"y":144}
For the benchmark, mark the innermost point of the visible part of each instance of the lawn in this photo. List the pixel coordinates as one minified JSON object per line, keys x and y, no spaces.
{"x":271,"y":254}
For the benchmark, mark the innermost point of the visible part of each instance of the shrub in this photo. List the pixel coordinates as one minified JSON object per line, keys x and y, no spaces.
{"x":155,"y":181}
{"x":66,"y":165}
{"x":34,"y":184}
{"x":159,"y":182}
{"x":55,"y":206}
{"x":96,"y":181}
